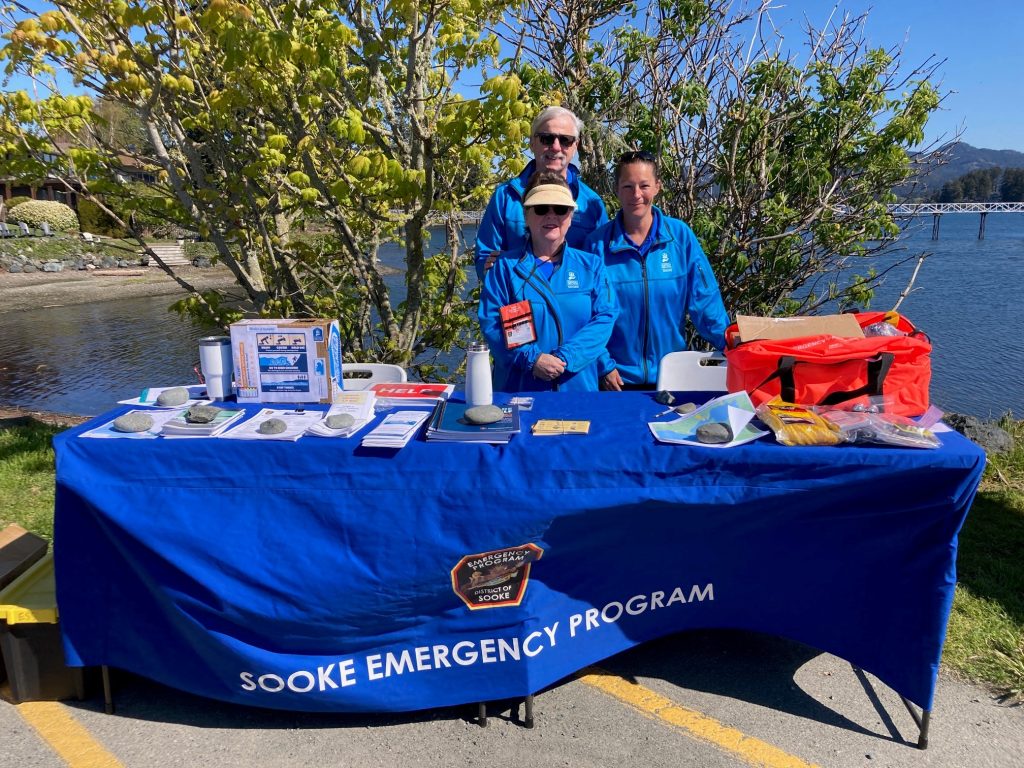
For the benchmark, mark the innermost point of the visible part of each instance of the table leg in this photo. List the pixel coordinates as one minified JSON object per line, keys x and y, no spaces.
{"x":529,"y":711}
{"x":922,"y":720}
{"x":108,"y":699}
{"x":481,"y":714}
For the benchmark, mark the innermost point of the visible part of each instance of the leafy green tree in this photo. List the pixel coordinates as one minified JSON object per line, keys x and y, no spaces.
{"x":1012,"y":188}
{"x":262,"y":114}
{"x":782,"y":163}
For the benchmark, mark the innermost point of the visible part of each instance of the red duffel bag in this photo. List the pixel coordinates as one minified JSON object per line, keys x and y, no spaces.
{"x":891,"y":371}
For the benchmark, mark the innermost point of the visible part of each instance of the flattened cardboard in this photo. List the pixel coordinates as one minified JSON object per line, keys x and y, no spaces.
{"x":844,"y":326}
{"x":19,"y":549}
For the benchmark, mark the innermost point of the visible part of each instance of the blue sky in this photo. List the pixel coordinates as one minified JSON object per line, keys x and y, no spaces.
{"x":982,"y":42}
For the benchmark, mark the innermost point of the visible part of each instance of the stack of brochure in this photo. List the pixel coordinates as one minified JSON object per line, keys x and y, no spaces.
{"x":449,"y":423}
{"x":176,"y":426}
{"x":396,"y":430}
{"x":296,"y":422}
{"x":358,"y":404}
{"x":400,"y":395}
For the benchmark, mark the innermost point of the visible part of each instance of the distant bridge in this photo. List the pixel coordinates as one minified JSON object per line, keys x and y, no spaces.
{"x":938,"y":209}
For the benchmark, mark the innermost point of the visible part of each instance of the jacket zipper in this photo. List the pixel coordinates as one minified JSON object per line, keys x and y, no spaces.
{"x":647,"y":314}
{"x":544,"y":291}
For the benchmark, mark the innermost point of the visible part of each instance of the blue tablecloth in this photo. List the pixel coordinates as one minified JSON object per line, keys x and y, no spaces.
{"x":322,"y":576}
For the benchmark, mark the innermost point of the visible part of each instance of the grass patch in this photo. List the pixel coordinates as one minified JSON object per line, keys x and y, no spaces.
{"x":985,"y":638}
{"x":27,"y":477}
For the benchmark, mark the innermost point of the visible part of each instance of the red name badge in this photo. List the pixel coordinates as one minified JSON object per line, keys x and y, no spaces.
{"x":517,"y":324}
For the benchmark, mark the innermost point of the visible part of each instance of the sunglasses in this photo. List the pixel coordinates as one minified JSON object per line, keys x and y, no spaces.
{"x":542,"y":210}
{"x":640,"y":154}
{"x":548,"y":139}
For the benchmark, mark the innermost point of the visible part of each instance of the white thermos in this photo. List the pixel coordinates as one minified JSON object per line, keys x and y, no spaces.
{"x":215,"y":362}
{"x":478,"y":375}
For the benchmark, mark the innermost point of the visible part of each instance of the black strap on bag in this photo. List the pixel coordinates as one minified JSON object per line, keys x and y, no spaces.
{"x":878,"y":368}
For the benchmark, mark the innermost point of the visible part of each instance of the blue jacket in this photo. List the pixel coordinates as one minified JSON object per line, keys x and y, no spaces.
{"x":656,"y":293}
{"x":503,"y":227}
{"x":573,"y":314}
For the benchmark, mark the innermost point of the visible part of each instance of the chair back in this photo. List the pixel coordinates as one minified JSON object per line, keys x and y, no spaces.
{"x":4,"y":230}
{"x":25,"y":230}
{"x":692,"y":372}
{"x":46,"y":229}
{"x":362,"y":375}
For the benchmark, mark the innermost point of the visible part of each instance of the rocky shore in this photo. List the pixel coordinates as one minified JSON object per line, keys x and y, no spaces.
{"x":21,"y":291}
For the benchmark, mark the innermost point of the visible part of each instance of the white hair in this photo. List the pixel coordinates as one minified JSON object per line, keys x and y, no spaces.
{"x":551,"y":112}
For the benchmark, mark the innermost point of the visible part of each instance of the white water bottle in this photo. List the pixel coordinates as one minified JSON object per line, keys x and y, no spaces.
{"x":216,"y":365}
{"x":478,"y":375}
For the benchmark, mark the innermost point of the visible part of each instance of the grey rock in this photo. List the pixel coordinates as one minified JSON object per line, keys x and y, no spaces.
{"x":664,"y":397}
{"x":713,"y":433}
{"x":201,"y":414}
{"x":685,"y":408}
{"x":133,"y":422}
{"x":108,"y":262}
{"x":29,"y":268}
{"x":339,"y":420}
{"x":53,"y":266}
{"x":484,"y":414}
{"x":173,"y":396}
{"x":989,"y":435}
{"x":15,"y":268}
{"x":272,"y":427}
{"x":122,"y":263}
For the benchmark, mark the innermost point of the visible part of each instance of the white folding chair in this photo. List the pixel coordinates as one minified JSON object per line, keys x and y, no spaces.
{"x":25,"y":231}
{"x":692,"y":372}
{"x":362,"y":375}
{"x":47,"y":232}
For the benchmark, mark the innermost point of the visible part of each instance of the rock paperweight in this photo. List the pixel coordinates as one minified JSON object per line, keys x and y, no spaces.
{"x":685,"y":408}
{"x":664,"y":397}
{"x":272,"y":427}
{"x":484,"y":414}
{"x":714,"y":433}
{"x":132,"y":422}
{"x":172,"y":396}
{"x":339,"y":420}
{"x":201,"y":414}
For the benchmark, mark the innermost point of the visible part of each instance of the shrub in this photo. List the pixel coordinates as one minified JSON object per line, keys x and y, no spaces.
{"x":35,"y":212}
{"x":94,"y":219}
{"x":16,"y":200}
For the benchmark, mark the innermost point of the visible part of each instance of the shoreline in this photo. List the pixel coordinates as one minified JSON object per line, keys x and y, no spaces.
{"x":21,"y":291}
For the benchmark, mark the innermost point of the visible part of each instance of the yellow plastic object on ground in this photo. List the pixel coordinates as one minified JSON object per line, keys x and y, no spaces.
{"x":32,"y":597}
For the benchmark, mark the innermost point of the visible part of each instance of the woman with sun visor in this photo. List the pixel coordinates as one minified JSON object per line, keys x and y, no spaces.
{"x":547,"y":309}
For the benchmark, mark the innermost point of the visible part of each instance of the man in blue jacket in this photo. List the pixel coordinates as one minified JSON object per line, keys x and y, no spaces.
{"x":554,"y":138}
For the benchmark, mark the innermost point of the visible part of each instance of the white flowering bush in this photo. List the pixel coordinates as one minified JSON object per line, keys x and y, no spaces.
{"x":35,"y":212}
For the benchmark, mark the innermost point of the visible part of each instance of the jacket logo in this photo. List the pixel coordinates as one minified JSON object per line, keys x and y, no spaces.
{"x":571,"y":281}
{"x":666,"y":262}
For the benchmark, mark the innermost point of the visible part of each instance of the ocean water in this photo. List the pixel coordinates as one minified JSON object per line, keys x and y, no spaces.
{"x":82,"y":359}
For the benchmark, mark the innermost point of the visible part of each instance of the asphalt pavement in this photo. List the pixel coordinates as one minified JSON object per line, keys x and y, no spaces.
{"x":708,"y":698}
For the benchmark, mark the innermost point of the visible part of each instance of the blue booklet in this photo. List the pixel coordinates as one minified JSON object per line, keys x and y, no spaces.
{"x":449,"y":423}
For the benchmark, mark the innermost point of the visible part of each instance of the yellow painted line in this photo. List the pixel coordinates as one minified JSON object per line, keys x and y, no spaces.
{"x":696,"y":724}
{"x":66,"y":736}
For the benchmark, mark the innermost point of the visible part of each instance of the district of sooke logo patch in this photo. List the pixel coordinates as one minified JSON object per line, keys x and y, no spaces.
{"x":494,"y":579}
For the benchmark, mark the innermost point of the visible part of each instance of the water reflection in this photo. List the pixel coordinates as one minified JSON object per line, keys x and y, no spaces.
{"x":83,"y":358}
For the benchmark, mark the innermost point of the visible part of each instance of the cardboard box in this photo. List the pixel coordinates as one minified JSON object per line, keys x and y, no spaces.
{"x":19,"y":549}
{"x":286,"y":361}
{"x":751,"y":328}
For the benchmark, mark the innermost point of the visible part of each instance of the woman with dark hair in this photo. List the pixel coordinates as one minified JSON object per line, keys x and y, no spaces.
{"x":661,"y":277}
{"x":546,"y":309}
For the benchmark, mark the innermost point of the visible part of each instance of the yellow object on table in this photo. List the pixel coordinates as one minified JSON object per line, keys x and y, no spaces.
{"x":560,"y":427}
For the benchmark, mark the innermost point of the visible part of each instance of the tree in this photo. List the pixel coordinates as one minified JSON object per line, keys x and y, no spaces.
{"x":1012,"y":187}
{"x":782,"y":163}
{"x":259,"y":114}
